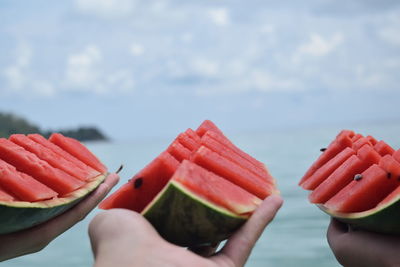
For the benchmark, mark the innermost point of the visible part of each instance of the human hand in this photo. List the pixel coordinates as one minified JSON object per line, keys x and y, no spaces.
{"x":125,"y":238}
{"x":38,"y":237}
{"x":353,"y":248}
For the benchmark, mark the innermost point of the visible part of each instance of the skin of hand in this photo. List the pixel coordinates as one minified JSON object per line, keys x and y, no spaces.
{"x":358,"y":248}
{"x":38,"y":237}
{"x":125,"y":238}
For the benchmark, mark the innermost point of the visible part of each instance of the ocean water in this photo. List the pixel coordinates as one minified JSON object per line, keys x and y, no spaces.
{"x":297,"y":236}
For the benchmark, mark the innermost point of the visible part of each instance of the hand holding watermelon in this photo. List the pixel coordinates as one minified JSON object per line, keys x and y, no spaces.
{"x":35,"y":239}
{"x":136,"y":243}
{"x":362,"y":248}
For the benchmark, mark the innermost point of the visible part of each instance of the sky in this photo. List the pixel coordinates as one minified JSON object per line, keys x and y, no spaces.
{"x":154,"y":68}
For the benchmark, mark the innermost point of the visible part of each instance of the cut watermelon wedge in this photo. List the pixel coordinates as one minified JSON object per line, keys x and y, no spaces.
{"x":78,"y":150}
{"x":55,"y":160}
{"x":342,"y":140}
{"x":38,"y":182}
{"x":199,"y":190}
{"x":30,"y":164}
{"x":23,"y":186}
{"x":364,"y":189}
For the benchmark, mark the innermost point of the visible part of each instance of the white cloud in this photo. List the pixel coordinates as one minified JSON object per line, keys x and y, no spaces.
{"x":121,"y":80}
{"x":202,"y":68}
{"x":19,"y":75}
{"x":267,"y":29}
{"x":82,"y":68}
{"x":15,"y":77}
{"x":16,"y":74}
{"x":205,"y":67}
{"x":43,"y":88}
{"x":219,"y":16}
{"x":365,"y":77}
{"x":187,"y":37}
{"x":319,"y":46}
{"x":106,"y":8}
{"x":391,"y":35}
{"x":136,"y":49}
{"x":261,"y":80}
{"x":85,"y":72}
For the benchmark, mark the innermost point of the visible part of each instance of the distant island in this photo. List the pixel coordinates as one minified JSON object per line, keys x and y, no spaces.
{"x":11,"y":124}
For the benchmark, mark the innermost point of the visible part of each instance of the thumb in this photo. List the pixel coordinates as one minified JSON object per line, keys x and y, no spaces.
{"x":239,"y":246}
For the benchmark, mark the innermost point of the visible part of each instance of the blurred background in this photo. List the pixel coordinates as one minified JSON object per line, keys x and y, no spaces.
{"x":280,"y":78}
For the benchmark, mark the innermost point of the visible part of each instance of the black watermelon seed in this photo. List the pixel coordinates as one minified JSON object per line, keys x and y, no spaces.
{"x":120,"y":169}
{"x":322,"y":149}
{"x":138,"y":183}
{"x":389,"y":175}
{"x":358,"y":177}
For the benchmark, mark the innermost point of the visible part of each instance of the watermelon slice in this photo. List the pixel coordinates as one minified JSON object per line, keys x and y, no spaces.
{"x":198,"y":191}
{"x":23,"y":186}
{"x":364,"y":189}
{"x":31,"y":164}
{"x":78,"y":150}
{"x":58,"y":150}
{"x":37,"y":183}
{"x":342,"y":140}
{"x":54,"y":159}
{"x":4,"y":196}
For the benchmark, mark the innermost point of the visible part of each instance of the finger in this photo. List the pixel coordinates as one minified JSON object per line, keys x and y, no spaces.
{"x":335,"y":232}
{"x":36,"y":238}
{"x":336,"y":227}
{"x":205,"y":251}
{"x":63,"y":222}
{"x":239,"y":246}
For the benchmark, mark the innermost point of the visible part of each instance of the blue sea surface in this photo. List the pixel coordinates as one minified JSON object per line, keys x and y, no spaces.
{"x":297,"y":236}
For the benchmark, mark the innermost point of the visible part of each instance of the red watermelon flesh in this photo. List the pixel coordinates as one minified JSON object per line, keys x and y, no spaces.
{"x":144,"y":186}
{"x":368,"y":155}
{"x":356,"y":137}
{"x":23,"y":186}
{"x":394,"y":194}
{"x":59,"y":151}
{"x":360,"y":143}
{"x":192,"y":141}
{"x":178,"y":151}
{"x":4,"y":196}
{"x":344,"y":174}
{"x":51,"y":157}
{"x":361,"y":182}
{"x":29,"y":171}
{"x":227,"y":155}
{"x":342,"y":140}
{"x":218,"y":135}
{"x":78,"y":150}
{"x":187,"y":142}
{"x":391,"y":166}
{"x":372,"y":140}
{"x":325,"y":170}
{"x":384,"y":149}
{"x":208,"y":125}
{"x":137,"y":198}
{"x":242,"y":177}
{"x":215,"y":188}
{"x":364,"y":194}
{"x":192,"y":134}
{"x":210,"y":140}
{"x":30,"y":164}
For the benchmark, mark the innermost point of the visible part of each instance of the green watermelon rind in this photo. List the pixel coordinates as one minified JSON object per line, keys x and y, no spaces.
{"x":382,"y":219}
{"x":20,"y":215}
{"x":183,"y":218}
